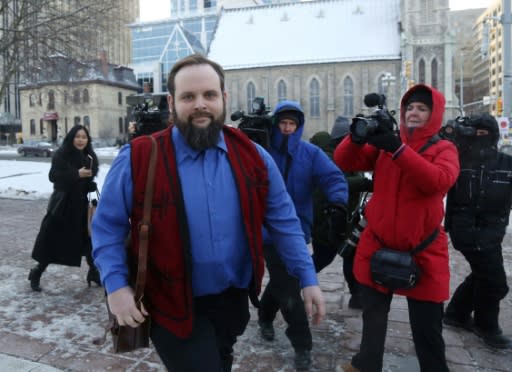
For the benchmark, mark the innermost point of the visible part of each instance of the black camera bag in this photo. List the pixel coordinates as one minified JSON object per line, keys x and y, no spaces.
{"x":395,"y":269}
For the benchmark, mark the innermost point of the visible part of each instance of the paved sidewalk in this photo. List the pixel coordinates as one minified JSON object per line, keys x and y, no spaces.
{"x":53,"y":330}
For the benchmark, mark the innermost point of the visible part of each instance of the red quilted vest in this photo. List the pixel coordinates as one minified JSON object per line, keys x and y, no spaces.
{"x":168,"y":291}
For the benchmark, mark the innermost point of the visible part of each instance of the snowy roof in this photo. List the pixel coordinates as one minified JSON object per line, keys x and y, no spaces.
{"x":307,"y":32}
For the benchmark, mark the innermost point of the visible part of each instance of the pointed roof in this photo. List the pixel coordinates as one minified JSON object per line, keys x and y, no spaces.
{"x":180,"y":34}
{"x":307,"y":32}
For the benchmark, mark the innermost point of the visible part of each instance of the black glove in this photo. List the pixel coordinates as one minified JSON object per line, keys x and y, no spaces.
{"x":387,"y":141}
{"x":337,"y":221}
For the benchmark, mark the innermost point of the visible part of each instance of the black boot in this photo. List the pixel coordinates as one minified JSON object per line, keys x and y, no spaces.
{"x":93,"y":275}
{"x":35,"y":277}
{"x":495,"y":339}
{"x":302,"y":360}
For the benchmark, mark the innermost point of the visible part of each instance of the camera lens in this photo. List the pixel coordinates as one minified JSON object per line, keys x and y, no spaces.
{"x":361,"y":128}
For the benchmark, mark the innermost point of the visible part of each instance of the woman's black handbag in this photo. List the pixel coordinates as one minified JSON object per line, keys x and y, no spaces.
{"x":395,"y":269}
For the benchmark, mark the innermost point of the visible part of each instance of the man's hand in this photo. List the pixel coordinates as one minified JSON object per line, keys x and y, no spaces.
{"x":313,"y":297}
{"x":122,"y":305}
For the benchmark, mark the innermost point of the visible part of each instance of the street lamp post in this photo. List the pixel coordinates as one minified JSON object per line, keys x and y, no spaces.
{"x":506,"y":20}
{"x":388,"y":79}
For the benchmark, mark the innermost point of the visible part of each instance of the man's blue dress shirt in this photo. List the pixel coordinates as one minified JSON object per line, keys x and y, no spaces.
{"x":220,"y":252}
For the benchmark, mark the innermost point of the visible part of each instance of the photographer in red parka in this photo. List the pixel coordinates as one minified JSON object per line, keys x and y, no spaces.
{"x":477,"y":215}
{"x":412,"y":174}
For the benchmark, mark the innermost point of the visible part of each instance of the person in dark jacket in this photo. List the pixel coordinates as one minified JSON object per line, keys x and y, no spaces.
{"x":303,"y":167}
{"x":411,"y":177}
{"x":477,"y":215}
{"x":63,"y":237}
{"x":324,"y":251}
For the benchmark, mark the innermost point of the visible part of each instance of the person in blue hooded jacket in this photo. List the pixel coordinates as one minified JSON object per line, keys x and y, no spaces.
{"x":303,"y":167}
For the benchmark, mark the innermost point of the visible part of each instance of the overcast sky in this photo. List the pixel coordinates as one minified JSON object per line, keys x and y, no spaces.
{"x":158,"y":9}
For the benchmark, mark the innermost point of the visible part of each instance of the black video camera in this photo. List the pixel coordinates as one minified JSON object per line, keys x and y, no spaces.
{"x":256,"y":125}
{"x":363,"y":127}
{"x":459,"y":127}
{"x":150,"y":113}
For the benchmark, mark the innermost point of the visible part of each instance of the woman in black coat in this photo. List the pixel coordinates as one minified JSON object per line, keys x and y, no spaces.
{"x":63,"y":237}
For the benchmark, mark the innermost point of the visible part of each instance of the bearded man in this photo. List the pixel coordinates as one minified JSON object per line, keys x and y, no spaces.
{"x":214,"y":189}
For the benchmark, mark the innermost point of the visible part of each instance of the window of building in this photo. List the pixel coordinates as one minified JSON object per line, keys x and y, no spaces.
{"x":87,"y":123}
{"x":348,"y":96}
{"x":281,"y":91}
{"x":32,"y":100}
{"x":51,"y":100}
{"x":421,"y":71}
{"x":427,"y":11}
{"x":66,"y":125}
{"x":121,"y":125}
{"x":40,"y":99}
{"x":192,"y":4}
{"x":119,"y":98}
{"x":76,"y":96}
{"x":66,"y":97}
{"x":41,"y":127}
{"x":32,"y":127}
{"x":86,"y":95}
{"x":314,"y":98}
{"x":435,"y":80}
{"x":251,"y":94}
{"x":76,"y":120}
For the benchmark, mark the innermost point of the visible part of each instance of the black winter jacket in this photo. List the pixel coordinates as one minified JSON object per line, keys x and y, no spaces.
{"x":63,"y":236}
{"x":478,"y":205}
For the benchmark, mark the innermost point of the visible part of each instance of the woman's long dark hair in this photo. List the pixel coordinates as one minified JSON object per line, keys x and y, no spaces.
{"x":68,"y":147}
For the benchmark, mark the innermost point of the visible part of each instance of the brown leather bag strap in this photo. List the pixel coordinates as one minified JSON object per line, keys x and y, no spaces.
{"x":145,"y":225}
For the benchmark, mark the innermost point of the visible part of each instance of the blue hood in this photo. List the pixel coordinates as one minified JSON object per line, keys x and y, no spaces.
{"x":276,"y":138}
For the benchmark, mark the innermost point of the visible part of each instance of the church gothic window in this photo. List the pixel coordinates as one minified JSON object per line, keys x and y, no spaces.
{"x":421,"y":71}
{"x":281,"y":91}
{"x":434,"y":73}
{"x":348,"y":96}
{"x":314,"y":98}
{"x":251,"y":94}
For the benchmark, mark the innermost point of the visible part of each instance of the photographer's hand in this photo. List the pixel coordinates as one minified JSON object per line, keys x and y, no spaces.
{"x":386,"y":141}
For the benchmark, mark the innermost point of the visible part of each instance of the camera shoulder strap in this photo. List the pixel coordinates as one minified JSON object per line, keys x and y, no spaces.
{"x":425,"y":243}
{"x":432,"y":140}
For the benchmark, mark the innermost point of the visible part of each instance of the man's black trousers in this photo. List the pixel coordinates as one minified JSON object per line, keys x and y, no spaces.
{"x":219,"y":319}
{"x":283,"y":293}
{"x":483,"y":288}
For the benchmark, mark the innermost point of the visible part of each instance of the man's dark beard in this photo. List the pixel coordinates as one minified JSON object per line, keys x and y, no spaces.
{"x":200,"y":138}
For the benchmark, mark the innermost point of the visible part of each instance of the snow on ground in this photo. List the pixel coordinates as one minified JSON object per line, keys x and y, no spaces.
{"x":29,"y":179}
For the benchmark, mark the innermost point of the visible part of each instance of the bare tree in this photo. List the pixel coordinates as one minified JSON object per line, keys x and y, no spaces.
{"x":33,"y":30}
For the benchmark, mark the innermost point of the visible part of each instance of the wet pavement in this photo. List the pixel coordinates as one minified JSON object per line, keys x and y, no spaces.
{"x":53,"y":330}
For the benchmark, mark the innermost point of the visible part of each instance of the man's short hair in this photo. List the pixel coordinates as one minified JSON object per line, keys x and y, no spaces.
{"x":193,"y":60}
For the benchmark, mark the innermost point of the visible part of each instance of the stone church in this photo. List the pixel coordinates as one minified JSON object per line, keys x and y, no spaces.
{"x":328,"y":54}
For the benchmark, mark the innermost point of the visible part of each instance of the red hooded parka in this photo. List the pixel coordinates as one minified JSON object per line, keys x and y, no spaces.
{"x":407,"y":202}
